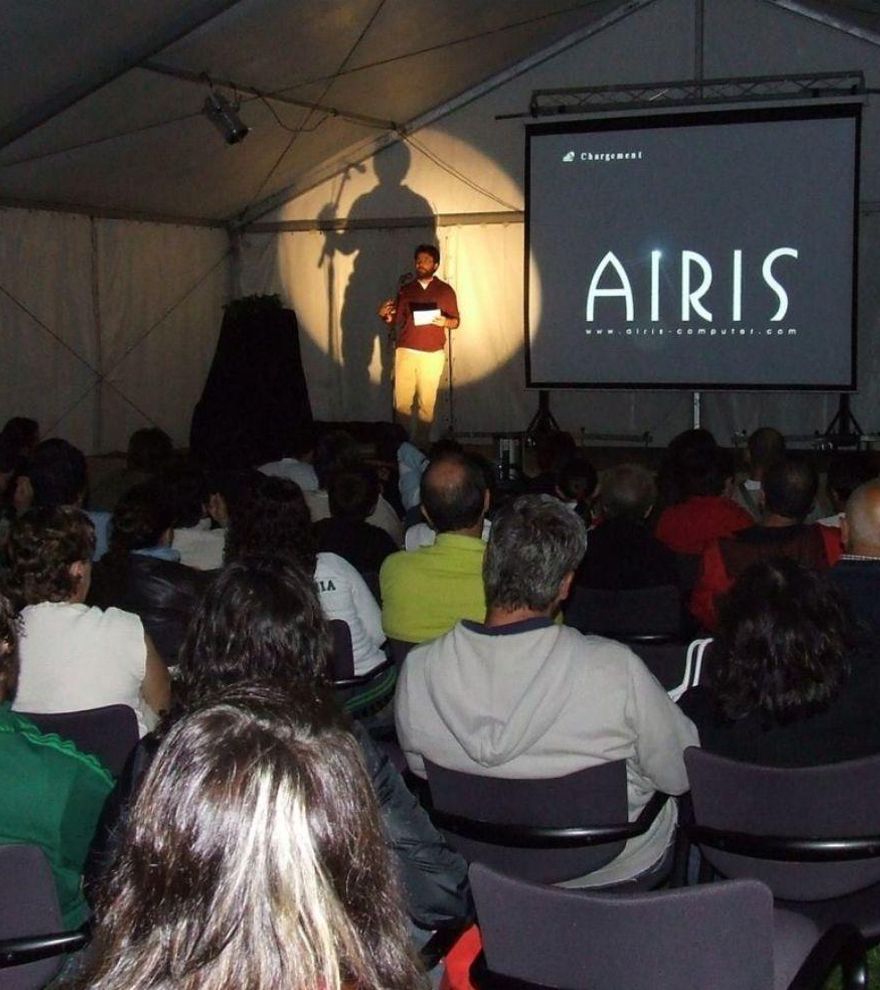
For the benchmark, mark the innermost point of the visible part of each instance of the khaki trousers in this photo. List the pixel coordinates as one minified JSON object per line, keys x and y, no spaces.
{"x":416,"y":379}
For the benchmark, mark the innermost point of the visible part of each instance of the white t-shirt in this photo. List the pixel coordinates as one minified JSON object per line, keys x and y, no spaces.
{"x":289,"y":467}
{"x":344,"y":594}
{"x":200,"y":546}
{"x":75,"y":657}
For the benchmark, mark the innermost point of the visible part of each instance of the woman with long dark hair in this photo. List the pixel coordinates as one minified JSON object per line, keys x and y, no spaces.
{"x":784,"y":684}
{"x":253,"y":857}
{"x":273,"y":518}
{"x":260,"y":622}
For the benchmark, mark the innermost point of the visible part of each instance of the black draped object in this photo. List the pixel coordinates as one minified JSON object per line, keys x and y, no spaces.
{"x":255,"y":402}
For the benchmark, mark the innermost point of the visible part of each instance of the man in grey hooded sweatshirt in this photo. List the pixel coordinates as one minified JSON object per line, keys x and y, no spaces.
{"x":522,"y":696}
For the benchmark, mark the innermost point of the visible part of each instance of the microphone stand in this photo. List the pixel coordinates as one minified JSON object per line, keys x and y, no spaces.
{"x":404,"y":279}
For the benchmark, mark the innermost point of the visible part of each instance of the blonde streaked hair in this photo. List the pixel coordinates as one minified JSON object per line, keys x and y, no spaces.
{"x":253,"y":858}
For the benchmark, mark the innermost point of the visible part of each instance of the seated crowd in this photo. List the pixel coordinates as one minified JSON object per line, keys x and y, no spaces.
{"x":267,"y":829}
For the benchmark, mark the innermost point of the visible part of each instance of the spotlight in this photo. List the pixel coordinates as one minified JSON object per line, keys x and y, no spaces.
{"x":224,"y":116}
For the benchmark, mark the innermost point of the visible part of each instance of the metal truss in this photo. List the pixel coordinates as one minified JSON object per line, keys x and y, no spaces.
{"x":581,"y":100}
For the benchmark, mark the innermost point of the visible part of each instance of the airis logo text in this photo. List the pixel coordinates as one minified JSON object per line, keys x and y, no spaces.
{"x":610,"y":280}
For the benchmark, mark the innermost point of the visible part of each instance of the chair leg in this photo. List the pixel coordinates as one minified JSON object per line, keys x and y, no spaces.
{"x":679,"y":876}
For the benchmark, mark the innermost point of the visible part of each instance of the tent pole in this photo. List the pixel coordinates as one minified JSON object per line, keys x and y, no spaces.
{"x":98,"y":407}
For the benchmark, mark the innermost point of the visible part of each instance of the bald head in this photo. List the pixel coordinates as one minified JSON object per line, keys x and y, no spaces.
{"x":860,"y":527}
{"x":455,"y":494}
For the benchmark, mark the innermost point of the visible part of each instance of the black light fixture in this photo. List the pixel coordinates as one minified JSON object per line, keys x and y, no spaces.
{"x":224,"y":116}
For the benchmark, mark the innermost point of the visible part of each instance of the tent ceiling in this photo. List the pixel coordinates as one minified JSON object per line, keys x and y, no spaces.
{"x":136,"y":143}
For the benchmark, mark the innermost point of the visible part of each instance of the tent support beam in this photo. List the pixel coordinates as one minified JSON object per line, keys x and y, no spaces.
{"x":148,"y":46}
{"x":98,"y":213}
{"x":199,"y":79}
{"x":828,"y":19}
{"x":388,"y":223}
{"x":365,"y":150}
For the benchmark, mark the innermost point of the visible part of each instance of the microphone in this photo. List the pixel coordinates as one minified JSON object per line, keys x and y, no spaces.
{"x":405,"y":279}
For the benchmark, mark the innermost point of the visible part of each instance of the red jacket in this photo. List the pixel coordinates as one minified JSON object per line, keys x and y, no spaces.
{"x":725,"y":559}
{"x":691,"y":526}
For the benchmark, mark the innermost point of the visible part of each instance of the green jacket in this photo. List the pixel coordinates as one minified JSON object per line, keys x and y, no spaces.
{"x":51,"y":796}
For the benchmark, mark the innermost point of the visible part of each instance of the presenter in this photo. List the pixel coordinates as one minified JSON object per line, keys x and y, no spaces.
{"x":425,"y":308}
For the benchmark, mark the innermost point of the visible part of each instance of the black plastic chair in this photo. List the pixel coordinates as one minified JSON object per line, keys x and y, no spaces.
{"x":726,"y":936}
{"x":32,"y":940}
{"x":359,"y":694}
{"x":811,"y":834}
{"x":548,"y":830}
{"x":666,"y":660}
{"x":398,"y":649}
{"x":371,"y":579}
{"x":110,"y":733}
{"x":630,"y":614}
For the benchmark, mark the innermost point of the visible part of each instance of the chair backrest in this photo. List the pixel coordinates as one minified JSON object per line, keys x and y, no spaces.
{"x":399,"y":648}
{"x":371,"y":579}
{"x":716,"y":935}
{"x":839,"y":801}
{"x":28,"y":906}
{"x":359,"y":694}
{"x":110,"y":733}
{"x":342,"y":659}
{"x":687,"y":663}
{"x":625,"y":612}
{"x":595,"y":796}
{"x":667,"y":661}
{"x":688,"y":566}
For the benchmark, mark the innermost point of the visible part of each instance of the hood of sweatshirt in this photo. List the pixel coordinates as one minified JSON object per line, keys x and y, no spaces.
{"x":500,"y":691}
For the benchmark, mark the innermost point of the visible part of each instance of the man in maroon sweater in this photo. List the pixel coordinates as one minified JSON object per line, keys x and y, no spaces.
{"x":425,"y":308}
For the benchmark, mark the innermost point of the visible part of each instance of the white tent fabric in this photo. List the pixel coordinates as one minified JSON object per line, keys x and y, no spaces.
{"x":108,"y":317}
{"x":107,"y":325}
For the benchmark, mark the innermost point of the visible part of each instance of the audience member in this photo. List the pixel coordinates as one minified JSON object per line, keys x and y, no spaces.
{"x":142,"y":573}
{"x":274,"y":519}
{"x":17,"y":441}
{"x":150,"y":451}
{"x":199,"y":543}
{"x":260,"y":623}
{"x":783,"y":684}
{"x":73,"y":656}
{"x":52,"y":793}
{"x":352,"y":495}
{"x":670,"y":488}
{"x":58,"y":475}
{"x":789,"y":493}
{"x":519,"y":696}
{"x":426,"y":591}
{"x":9,"y":466}
{"x":253,"y":857}
{"x":410,"y":462}
{"x":847,"y":470}
{"x":857,"y":573}
{"x":621,"y":551}
{"x":21,"y":434}
{"x":296,"y":464}
{"x":552,"y":452}
{"x":764,"y":448}
{"x":335,"y":452}
{"x":705,"y":475}
{"x":577,"y":486}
